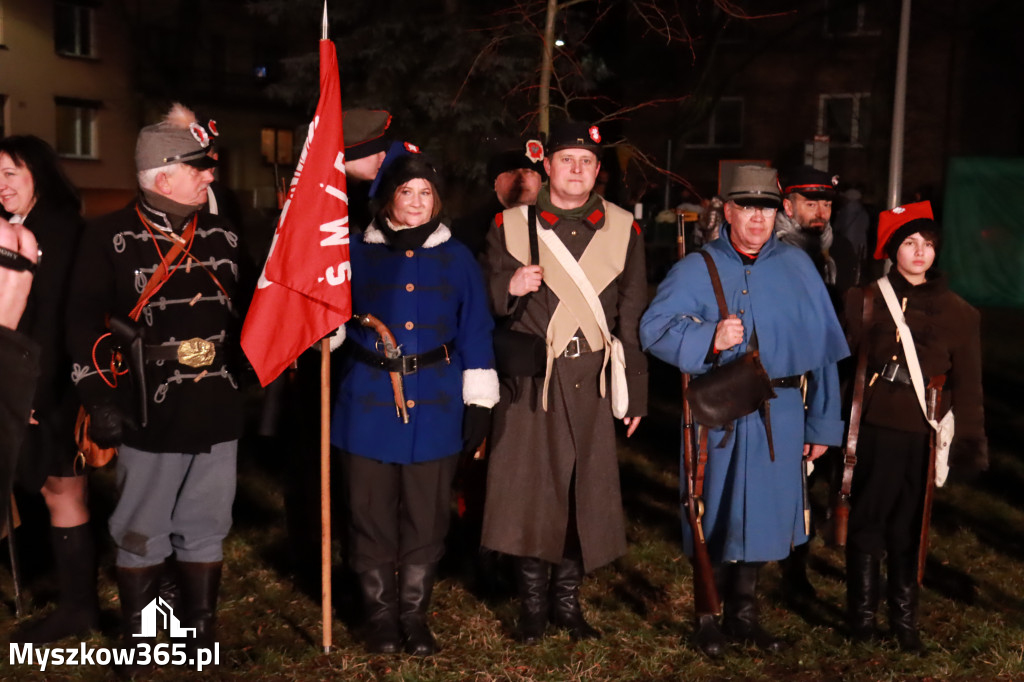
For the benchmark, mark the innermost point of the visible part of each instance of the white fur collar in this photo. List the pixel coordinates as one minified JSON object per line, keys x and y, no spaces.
{"x":373,"y":235}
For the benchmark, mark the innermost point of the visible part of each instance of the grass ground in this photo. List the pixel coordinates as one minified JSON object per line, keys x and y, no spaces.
{"x":972,"y":605}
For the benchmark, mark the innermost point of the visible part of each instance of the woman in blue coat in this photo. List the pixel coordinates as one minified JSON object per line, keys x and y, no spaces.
{"x":427,"y":289}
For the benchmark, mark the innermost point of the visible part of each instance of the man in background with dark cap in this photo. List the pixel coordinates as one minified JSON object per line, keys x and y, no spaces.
{"x":365,"y":148}
{"x":805,"y":222}
{"x":516,"y":174}
{"x":753,"y":481}
{"x":553,"y":497}
{"x":163,"y":277}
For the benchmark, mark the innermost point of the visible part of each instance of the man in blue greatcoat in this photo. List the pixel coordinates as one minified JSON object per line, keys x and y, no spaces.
{"x":776,"y":300}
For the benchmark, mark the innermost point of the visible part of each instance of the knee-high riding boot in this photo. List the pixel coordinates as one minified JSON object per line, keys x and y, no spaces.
{"x":137,"y":587}
{"x":862,"y":571}
{"x":903,"y":600}
{"x":741,"y":621}
{"x":566,"y":579}
{"x":380,"y":600}
{"x":532,"y":578}
{"x":416,"y":583}
{"x":77,"y":612}
{"x":200,"y":585}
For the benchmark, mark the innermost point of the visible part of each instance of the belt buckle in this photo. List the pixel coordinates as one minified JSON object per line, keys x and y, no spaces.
{"x":196,"y":352}
{"x":410,"y":364}
{"x":572,"y":354}
{"x":889,"y":371}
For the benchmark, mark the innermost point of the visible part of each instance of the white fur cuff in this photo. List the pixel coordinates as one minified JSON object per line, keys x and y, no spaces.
{"x":338,"y":338}
{"x":480,"y":387}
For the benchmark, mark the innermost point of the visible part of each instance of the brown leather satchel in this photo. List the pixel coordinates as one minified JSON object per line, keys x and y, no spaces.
{"x":730,"y":391}
{"x":88,"y":452}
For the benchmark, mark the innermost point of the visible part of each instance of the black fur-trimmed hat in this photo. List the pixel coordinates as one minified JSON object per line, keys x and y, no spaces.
{"x":404,"y":169}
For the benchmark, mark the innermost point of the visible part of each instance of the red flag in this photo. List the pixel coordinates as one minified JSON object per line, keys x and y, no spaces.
{"x":304,"y":292}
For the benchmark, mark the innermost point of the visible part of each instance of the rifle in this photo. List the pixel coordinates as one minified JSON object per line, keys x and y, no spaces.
{"x":705,"y":594}
{"x":841,"y":504}
{"x":933,"y":393}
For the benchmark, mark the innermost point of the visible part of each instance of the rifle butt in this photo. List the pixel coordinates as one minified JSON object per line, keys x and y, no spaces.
{"x":705,"y":592}
{"x":840,"y":522}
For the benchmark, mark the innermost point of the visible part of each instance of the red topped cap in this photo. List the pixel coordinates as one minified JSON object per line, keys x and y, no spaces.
{"x":892,"y":220}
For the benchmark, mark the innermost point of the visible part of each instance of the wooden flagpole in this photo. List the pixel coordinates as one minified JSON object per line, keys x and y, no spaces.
{"x":325,"y":488}
{"x":325,"y":466}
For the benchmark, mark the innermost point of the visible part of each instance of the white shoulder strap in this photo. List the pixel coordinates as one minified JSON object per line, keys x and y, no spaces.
{"x":907,"y":340}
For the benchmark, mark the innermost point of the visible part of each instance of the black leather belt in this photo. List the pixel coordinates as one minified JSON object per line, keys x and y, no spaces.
{"x":895,"y":373}
{"x":787,"y":382}
{"x":404,"y":364}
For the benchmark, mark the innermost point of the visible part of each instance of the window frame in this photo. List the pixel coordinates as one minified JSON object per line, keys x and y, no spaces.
{"x":858,"y":110}
{"x":708,"y":139}
{"x":78,"y":106}
{"x":83,"y":12}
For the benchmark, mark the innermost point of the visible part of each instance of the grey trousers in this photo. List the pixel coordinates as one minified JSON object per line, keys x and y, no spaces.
{"x":170,"y":502}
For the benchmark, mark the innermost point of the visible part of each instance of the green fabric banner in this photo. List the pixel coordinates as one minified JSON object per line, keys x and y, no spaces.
{"x":983,"y":230}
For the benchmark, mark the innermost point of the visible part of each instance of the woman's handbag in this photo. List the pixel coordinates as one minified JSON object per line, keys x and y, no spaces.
{"x":88,"y":452}
{"x":727,"y":392}
{"x":518,"y":353}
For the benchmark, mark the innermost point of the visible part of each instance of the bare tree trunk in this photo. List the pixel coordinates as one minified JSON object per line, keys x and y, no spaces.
{"x":546,"y":65}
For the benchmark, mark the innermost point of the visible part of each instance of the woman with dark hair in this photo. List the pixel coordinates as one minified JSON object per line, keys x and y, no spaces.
{"x":35,"y":192}
{"x":401,"y":422}
{"x":893,"y":450}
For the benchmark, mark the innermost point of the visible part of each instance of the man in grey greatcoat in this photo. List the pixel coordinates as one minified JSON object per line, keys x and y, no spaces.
{"x":553,"y":498}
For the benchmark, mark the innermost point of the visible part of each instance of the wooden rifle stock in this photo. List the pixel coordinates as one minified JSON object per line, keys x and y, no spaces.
{"x":705,"y":594}
{"x":932,"y":395}
{"x":841,"y":503}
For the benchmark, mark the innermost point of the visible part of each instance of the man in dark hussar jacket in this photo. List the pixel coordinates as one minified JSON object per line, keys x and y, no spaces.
{"x":19,"y":355}
{"x":516,"y":174}
{"x":163,"y":276}
{"x":553,"y":498}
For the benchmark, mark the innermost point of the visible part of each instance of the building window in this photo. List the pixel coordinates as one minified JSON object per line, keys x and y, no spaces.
{"x":725,"y":125}
{"x":845,"y":118}
{"x":850,"y":18}
{"x":73,"y":29}
{"x":277,"y":146}
{"x":76,"y":128}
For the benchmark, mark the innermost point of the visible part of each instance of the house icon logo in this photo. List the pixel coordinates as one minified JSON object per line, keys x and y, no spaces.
{"x":158,"y":615}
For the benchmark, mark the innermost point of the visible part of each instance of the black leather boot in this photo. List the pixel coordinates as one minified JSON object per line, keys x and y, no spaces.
{"x":796,"y":587}
{"x":416,"y":584}
{"x":903,"y":600}
{"x":77,"y":612}
{"x":532,"y":578}
{"x":862,"y":571}
{"x":136,"y":588}
{"x":380,"y":600}
{"x":199,"y":584}
{"x":566,"y":579}
{"x":708,"y":636}
{"x":741,"y":621}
